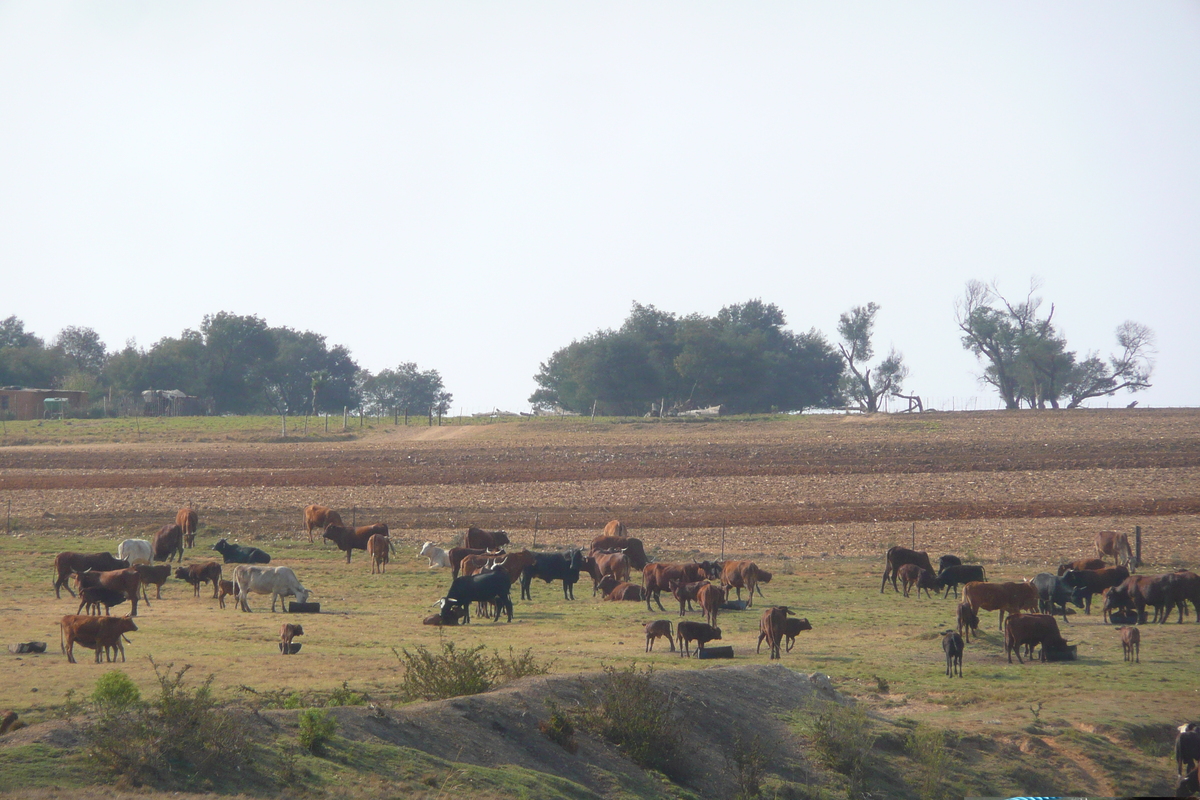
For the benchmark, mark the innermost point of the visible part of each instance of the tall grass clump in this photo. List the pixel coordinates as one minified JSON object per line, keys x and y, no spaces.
{"x":928,"y":748}
{"x":453,"y":672}
{"x":633,"y":714}
{"x":843,"y":737}
{"x":178,"y":739}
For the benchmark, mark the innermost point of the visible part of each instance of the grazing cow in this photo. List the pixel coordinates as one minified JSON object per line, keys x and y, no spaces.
{"x":378,"y":547}
{"x":948,"y":561}
{"x":685,"y":593}
{"x":623,"y":591}
{"x":772,"y":627}
{"x":126,"y":581}
{"x":952,"y":645}
{"x":660,"y":627}
{"x":710,"y":598}
{"x":549,"y":567}
{"x":1081,"y":563}
{"x":156,"y":575}
{"x":658,"y":578}
{"x":600,"y":564}
{"x":1131,"y":643}
{"x":1188,"y":587}
{"x":457,"y":554}
{"x":954,"y":575}
{"x":168,"y":543}
{"x":187,"y":520}
{"x":279,"y":582}
{"x":699,"y":632}
{"x":486,"y":540}
{"x":1117,"y":600}
{"x":899,"y":556}
{"x":97,"y":633}
{"x":1011,"y":598}
{"x":350,"y":539}
{"x":616,"y":528}
{"x":196,"y":574}
{"x":912,"y":575}
{"x":1187,"y":748}
{"x":1163,"y":592}
{"x":631,"y":547}
{"x":743,"y":574}
{"x":1115,"y":544}
{"x":66,"y":563}
{"x":135,"y":551}
{"x":792,"y":627}
{"x":1087,"y":582}
{"x":288,"y":632}
{"x":91,"y":598}
{"x":1053,"y":594}
{"x":486,"y":587}
{"x":968,"y":621}
{"x":320,"y":517}
{"x":240,"y":553}
{"x":436,"y":555}
{"x":227,"y":589}
{"x":1028,"y":630}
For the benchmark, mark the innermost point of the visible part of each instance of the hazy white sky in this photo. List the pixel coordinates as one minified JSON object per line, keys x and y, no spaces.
{"x":471,"y":186}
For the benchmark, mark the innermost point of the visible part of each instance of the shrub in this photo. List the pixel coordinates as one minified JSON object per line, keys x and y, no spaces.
{"x":558,"y":728}
{"x":316,"y":729}
{"x":747,"y":762}
{"x":345,"y":696}
{"x":454,"y":672}
{"x":115,"y":691}
{"x":927,"y":746}
{"x":843,"y":737}
{"x":634,"y":715}
{"x":293,"y":701}
{"x":519,"y":666}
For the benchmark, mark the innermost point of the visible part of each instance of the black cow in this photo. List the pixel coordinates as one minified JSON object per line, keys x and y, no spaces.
{"x":952,"y":644}
{"x":483,"y":587}
{"x":1053,"y":594}
{"x":563,"y":567}
{"x":955,"y":575}
{"x":948,"y":561}
{"x":240,"y":554}
{"x":1187,"y":747}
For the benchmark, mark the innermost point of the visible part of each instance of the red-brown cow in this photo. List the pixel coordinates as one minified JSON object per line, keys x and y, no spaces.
{"x":485,"y":540}
{"x":126,"y":581}
{"x":911,"y":575}
{"x":456,"y":555}
{"x":187,"y":520}
{"x":772,"y":627}
{"x":227,"y":589}
{"x":196,"y":574}
{"x":615,"y":528}
{"x":899,"y":556}
{"x":686,"y":593}
{"x":1131,"y":643}
{"x":97,"y":633}
{"x":1081,"y":563}
{"x":1086,"y":582}
{"x":710,"y":598}
{"x":378,"y":548}
{"x":168,"y":543}
{"x":350,"y":539}
{"x":660,"y":627}
{"x":1010,"y":598}
{"x":746,"y":575}
{"x":154,"y":576}
{"x":67,"y":563}
{"x":792,"y":627}
{"x":1115,"y":544}
{"x":287,"y":633}
{"x":968,"y":621}
{"x":658,"y":578}
{"x":699,"y":632}
{"x":623,"y":591}
{"x":600,"y":564}
{"x":1029,"y":630}
{"x":320,"y":517}
{"x":631,"y":547}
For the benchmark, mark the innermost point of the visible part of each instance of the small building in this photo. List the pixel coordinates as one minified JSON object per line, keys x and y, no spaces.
{"x":170,"y":403}
{"x":19,"y":402}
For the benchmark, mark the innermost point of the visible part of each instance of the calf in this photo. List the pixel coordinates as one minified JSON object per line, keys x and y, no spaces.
{"x":899,"y":556}
{"x":196,"y":574}
{"x":1188,"y":785}
{"x":660,"y":627}
{"x":952,"y":645}
{"x":156,"y":575}
{"x":771,"y":627}
{"x":67,"y":563}
{"x":954,"y":575}
{"x":97,"y":633}
{"x":288,"y":632}
{"x":710,"y":598}
{"x":125,"y":581}
{"x":912,"y":575}
{"x":792,"y":627}
{"x":455,"y":617}
{"x":700,"y":632}
{"x":685,"y":593}
{"x":1029,"y":630}
{"x":623,"y":591}
{"x":436,"y":555}
{"x":378,"y":547}
{"x":226,"y":589}
{"x":350,"y":539}
{"x":92,"y":597}
{"x":968,"y":621}
{"x":1131,"y":643}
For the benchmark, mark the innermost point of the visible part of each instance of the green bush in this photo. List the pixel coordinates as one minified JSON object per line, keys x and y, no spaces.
{"x":115,"y":691}
{"x":454,"y":672}
{"x":316,"y":729}
{"x":843,"y":737}
{"x":927,"y":746}
{"x":293,"y":701}
{"x":345,"y":696}
{"x":634,"y":715}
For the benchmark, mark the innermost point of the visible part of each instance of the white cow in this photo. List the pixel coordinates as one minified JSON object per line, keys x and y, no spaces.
{"x":279,"y":582}
{"x":436,"y":555}
{"x":135,"y":551}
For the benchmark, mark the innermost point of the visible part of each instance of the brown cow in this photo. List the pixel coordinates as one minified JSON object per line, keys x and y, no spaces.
{"x":631,"y":547}
{"x":1081,"y":563}
{"x":1115,"y":544}
{"x":772,"y":627}
{"x":968,"y":621}
{"x":288,"y":632}
{"x":685,"y":593}
{"x":320,"y":517}
{"x":1131,"y":643}
{"x":91,"y":598}
{"x":1086,"y":582}
{"x":227,"y":589}
{"x":1189,"y":589}
{"x":1011,"y":598}
{"x":791,"y":629}
{"x":378,"y":547}
{"x":660,"y":627}
{"x":167,"y":543}
{"x":96,"y":633}
{"x":912,"y":575}
{"x":156,"y":575}
{"x":710,"y":598}
{"x":700,"y":632}
{"x":187,"y":519}
{"x":658,"y":578}
{"x":744,"y":575}
{"x":616,"y":528}
{"x":126,"y":581}
{"x":600,"y":564}
{"x":68,"y":562}
{"x":899,"y":556}
{"x":1028,"y":630}
{"x":623,"y":591}
{"x":473,"y":565}
{"x":350,"y":539}
{"x":196,"y":574}
{"x":486,"y":540}
{"x":457,"y":554}
{"x":513,"y":563}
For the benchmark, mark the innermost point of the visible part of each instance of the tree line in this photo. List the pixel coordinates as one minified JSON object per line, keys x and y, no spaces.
{"x":237,"y":364}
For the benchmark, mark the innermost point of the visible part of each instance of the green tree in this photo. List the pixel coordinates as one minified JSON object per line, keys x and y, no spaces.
{"x":239,"y":351}
{"x":289,"y":382}
{"x":856,"y":327}
{"x":405,"y":387}
{"x":83,"y":348}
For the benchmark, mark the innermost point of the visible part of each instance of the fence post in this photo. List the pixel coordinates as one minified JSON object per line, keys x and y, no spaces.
{"x":406,"y":416}
{"x":345,"y":416}
{"x":1137,"y":538}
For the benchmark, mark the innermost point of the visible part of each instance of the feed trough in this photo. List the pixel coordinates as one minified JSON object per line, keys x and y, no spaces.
{"x":734,"y":605}
{"x":295,"y":648}
{"x":304,"y":608}
{"x":27,"y":647}
{"x":1067,"y":653}
{"x":717,"y":652}
{"x":1130,"y":618}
